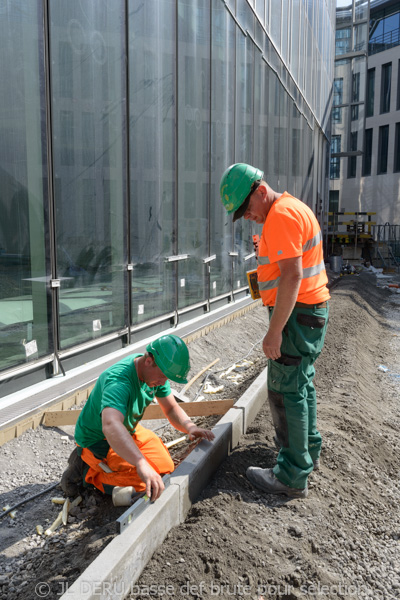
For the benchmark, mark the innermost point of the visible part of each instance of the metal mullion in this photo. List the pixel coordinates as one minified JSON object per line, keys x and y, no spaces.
{"x":234,"y":142}
{"x":175,"y":243}
{"x":207,"y":266}
{"x":51,"y":204}
{"x":129,"y":272}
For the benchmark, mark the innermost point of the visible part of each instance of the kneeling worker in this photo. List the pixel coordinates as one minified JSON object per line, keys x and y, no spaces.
{"x":113,"y":448}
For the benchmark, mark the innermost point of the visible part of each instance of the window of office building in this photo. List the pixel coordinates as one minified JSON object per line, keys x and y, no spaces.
{"x":367,"y":152}
{"x":386,"y":84}
{"x":384,"y":28}
{"x":333,"y":208}
{"x":335,"y":160}
{"x":355,"y":95}
{"x":398,"y":87}
{"x":370,"y":92}
{"x":352,"y":160}
{"x":343,"y":41}
{"x":396,"y":166}
{"x":337,"y":99}
{"x":383,"y":144}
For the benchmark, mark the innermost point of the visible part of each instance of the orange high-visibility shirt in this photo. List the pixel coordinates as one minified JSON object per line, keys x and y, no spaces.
{"x":291,"y":229}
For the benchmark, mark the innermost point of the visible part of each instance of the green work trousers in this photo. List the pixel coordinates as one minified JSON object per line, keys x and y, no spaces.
{"x":292,"y":396}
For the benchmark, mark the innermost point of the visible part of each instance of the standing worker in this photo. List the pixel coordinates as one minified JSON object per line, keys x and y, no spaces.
{"x":113,"y":449}
{"x":292,"y":282}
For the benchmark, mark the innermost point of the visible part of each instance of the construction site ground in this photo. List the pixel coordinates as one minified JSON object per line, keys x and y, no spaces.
{"x":342,"y":541}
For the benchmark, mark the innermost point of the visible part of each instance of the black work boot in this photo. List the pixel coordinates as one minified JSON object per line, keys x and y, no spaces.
{"x":72,"y":478}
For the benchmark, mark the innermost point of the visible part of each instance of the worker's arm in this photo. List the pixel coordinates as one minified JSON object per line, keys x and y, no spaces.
{"x":122,"y":443}
{"x":288,"y":289}
{"x":180,"y":420}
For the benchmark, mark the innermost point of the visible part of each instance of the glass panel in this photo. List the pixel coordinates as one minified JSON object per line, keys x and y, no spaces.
{"x":386,"y":87}
{"x":89,"y":165}
{"x":294,"y":60}
{"x":222,"y":149}
{"x":260,"y":9}
{"x":285,"y":31}
{"x":370,"y":92}
{"x":272,"y":166}
{"x":152,"y":156}
{"x":398,"y":87}
{"x":296,"y":150}
{"x":343,"y":41}
{"x":261,"y":109}
{"x":367,"y":152}
{"x":344,"y":11}
{"x":244,"y":151}
{"x":283,"y":141}
{"x":383,"y":144}
{"x":360,"y":37}
{"x":193,"y":150}
{"x":352,"y":160}
{"x":396,"y":166}
{"x":275,"y":20}
{"x":361,"y":9}
{"x":24,"y":310}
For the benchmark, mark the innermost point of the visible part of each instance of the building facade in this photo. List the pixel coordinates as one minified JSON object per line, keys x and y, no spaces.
{"x":118,"y":120}
{"x":365,"y":150}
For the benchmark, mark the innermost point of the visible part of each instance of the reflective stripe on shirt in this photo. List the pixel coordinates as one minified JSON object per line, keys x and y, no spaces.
{"x":308,"y":272}
{"x":314,"y":270}
{"x":313,"y":242}
{"x":268,"y":285}
{"x":263,"y":260}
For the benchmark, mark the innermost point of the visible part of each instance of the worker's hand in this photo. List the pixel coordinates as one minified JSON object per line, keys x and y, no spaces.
{"x":154,"y":483}
{"x":195,"y":432}
{"x":272,"y":345}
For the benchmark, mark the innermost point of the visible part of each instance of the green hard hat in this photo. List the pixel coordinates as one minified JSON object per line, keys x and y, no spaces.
{"x":236,"y":185}
{"x":171,"y":356}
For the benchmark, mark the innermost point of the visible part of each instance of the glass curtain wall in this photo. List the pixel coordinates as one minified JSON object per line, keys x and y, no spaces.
{"x":24,"y":266}
{"x":88,"y":106}
{"x":149,"y":102}
{"x":152,"y":157}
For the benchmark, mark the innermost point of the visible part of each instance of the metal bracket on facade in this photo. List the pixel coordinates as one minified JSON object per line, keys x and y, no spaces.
{"x":249,"y":256}
{"x":233,"y":253}
{"x":55,"y":283}
{"x":129,"y":267}
{"x":209,"y":258}
{"x":176,"y":257}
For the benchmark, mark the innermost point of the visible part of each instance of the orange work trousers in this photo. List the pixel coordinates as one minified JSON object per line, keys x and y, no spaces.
{"x":123,"y":473}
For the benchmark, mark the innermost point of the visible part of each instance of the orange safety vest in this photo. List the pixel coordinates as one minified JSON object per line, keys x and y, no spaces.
{"x":291,"y":229}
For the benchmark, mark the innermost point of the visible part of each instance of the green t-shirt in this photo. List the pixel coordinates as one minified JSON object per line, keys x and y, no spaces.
{"x":117,"y":387}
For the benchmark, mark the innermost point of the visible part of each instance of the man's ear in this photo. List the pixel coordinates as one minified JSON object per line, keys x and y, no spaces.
{"x":149,"y":361}
{"x":263,"y":189}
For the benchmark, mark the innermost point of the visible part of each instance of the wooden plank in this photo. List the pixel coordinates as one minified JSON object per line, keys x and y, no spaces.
{"x":192,"y":409}
{"x":57,"y":418}
{"x":191,"y":382}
